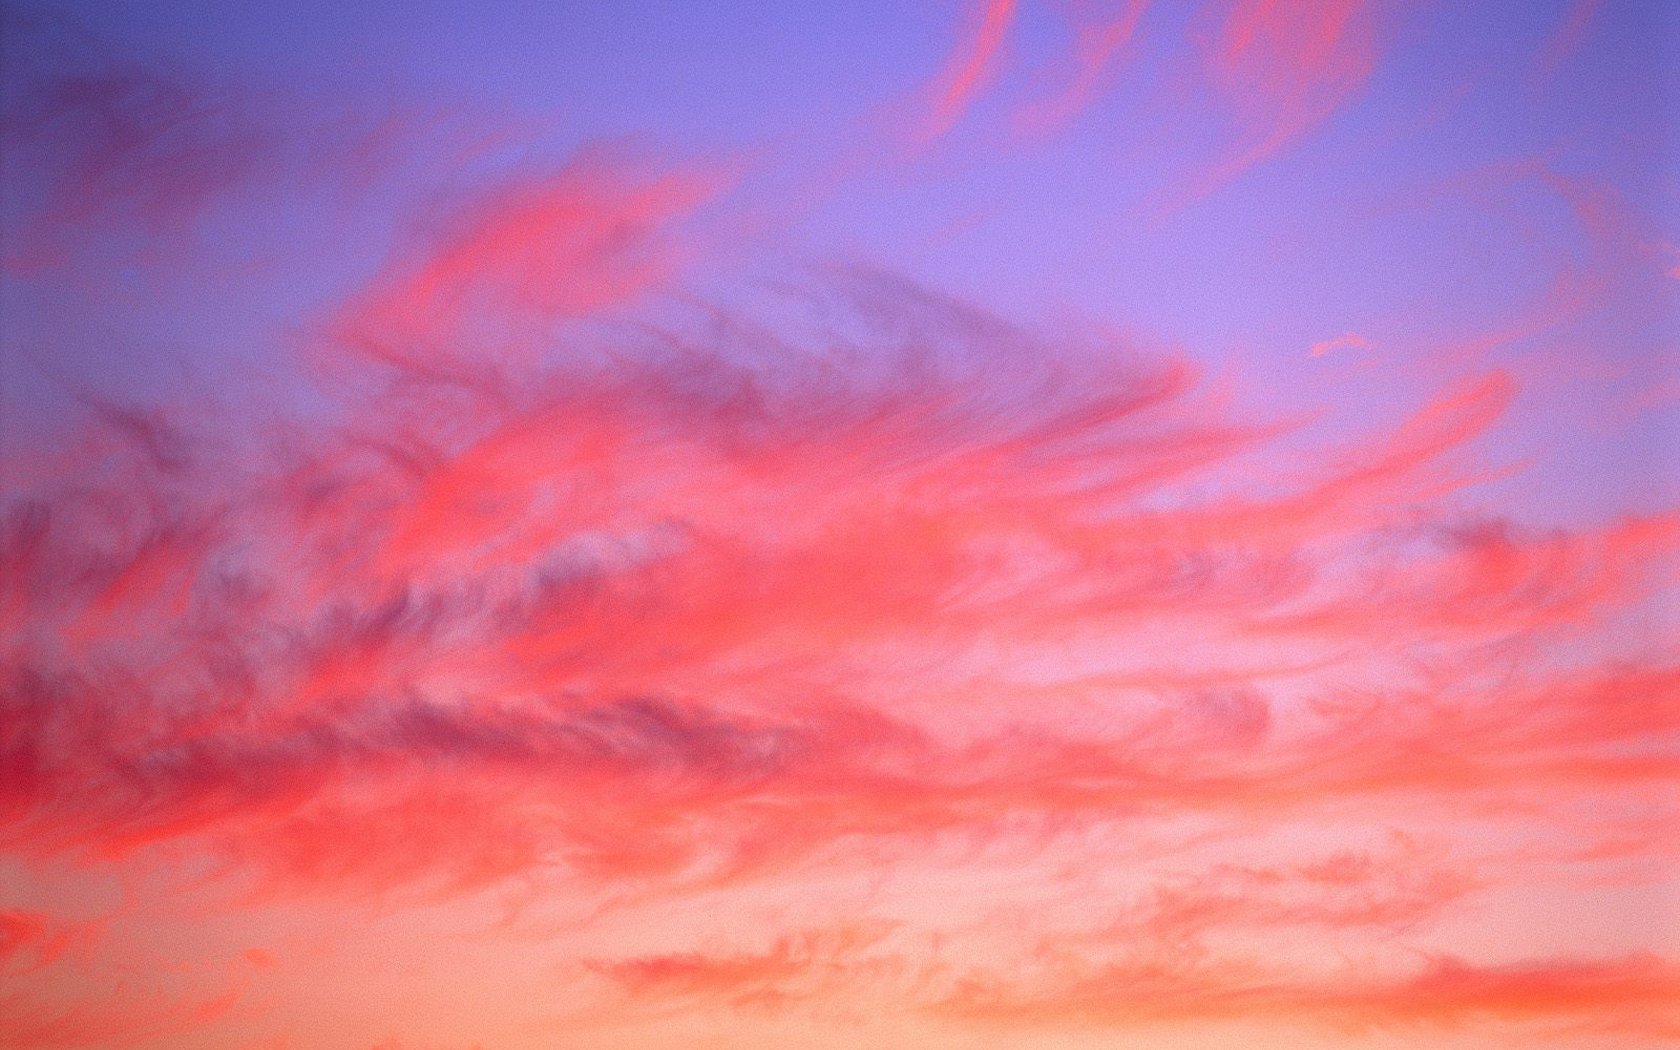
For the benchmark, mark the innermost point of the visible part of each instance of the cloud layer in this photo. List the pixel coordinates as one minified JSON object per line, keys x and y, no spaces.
{"x":808,"y":654}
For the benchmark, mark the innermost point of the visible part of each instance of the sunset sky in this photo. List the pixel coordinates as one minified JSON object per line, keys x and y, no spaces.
{"x":1054,"y":524}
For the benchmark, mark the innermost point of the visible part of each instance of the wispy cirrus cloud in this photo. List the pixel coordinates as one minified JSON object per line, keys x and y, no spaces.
{"x":1281,"y":71}
{"x":638,"y":610}
{"x":969,"y":67}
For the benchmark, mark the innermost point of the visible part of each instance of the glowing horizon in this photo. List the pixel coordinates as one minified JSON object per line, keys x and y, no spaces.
{"x":1014,"y":523}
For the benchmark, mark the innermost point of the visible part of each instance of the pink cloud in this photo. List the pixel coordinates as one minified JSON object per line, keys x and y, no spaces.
{"x":969,"y":69}
{"x":1054,"y":684}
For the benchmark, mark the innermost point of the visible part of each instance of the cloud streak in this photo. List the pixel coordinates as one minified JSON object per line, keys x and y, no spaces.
{"x":698,"y":650}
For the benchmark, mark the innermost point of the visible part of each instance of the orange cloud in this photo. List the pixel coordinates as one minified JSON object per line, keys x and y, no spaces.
{"x":1631,"y":996}
{"x":1124,"y":702}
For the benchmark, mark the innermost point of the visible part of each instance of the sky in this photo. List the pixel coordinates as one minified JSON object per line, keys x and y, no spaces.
{"x":991,"y":523}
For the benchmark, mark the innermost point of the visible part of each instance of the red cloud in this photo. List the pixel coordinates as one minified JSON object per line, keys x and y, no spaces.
{"x":564,"y":582}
